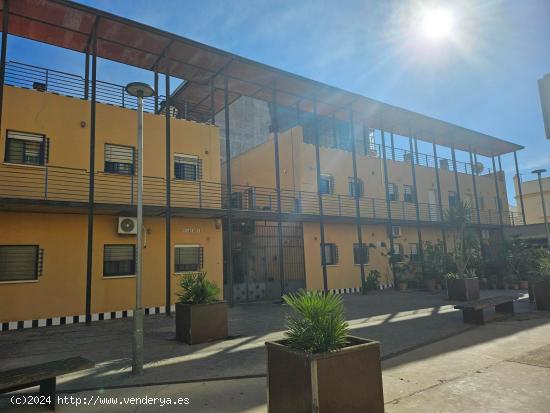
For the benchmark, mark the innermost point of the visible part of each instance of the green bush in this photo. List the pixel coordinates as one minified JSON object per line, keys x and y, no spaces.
{"x":318,"y":324}
{"x":373,"y":280}
{"x":196,"y":289}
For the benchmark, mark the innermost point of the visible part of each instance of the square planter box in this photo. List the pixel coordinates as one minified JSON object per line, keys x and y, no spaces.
{"x":463,"y":289}
{"x":347,"y":380}
{"x":542,"y":294}
{"x":199,"y":323}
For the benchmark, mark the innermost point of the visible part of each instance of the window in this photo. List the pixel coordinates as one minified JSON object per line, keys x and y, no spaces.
{"x":408,"y":193}
{"x":326,"y":185}
{"x":392,"y":191}
{"x":331,"y":254}
{"x":398,"y":251}
{"x":26,"y":148}
{"x":119,"y":159}
{"x":413,"y":248}
{"x":352,"y":187}
{"x":452,"y":198}
{"x":359,"y":249}
{"x":187,"y":167}
{"x":188,"y":258}
{"x":119,"y":259}
{"x":20,"y":262}
{"x":396,"y":231}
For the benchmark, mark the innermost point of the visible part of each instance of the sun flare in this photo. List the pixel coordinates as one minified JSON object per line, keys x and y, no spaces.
{"x":437,"y":23}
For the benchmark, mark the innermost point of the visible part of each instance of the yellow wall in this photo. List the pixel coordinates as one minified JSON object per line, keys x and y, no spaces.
{"x":60,"y":291}
{"x":531,"y":199}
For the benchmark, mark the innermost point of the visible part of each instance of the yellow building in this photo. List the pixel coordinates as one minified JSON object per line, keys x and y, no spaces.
{"x":252,"y":212}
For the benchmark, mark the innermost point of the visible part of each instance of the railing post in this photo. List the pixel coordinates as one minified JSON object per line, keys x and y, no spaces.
{"x":46,"y":182}
{"x":47,"y":78}
{"x":339,"y":206}
{"x":123,"y":103}
{"x":373,"y":208}
{"x":132,"y":190}
{"x":200,"y":194}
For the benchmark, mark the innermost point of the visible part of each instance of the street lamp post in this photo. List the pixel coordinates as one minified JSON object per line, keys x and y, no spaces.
{"x":140,"y":91}
{"x":539,"y":172}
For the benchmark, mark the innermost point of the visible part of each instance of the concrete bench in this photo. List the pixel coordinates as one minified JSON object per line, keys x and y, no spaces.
{"x":472,"y":311}
{"x":43,"y":375}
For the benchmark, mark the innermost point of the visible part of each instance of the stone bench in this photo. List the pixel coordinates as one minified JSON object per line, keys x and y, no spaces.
{"x":472,"y":311}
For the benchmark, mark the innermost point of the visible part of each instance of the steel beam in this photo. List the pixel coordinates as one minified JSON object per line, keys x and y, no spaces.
{"x":499,"y":205}
{"x":519,"y":188}
{"x":229,"y":265}
{"x":156,"y":83}
{"x":5,"y":31}
{"x":457,"y":184}
{"x":388,"y":206}
{"x":439,"y":198}
{"x":87,"y":75}
{"x":357,"y":204}
{"x":168,"y":215}
{"x":275,"y":123}
{"x":91,"y":188}
{"x":473,"y":164}
{"x":320,"y":196}
{"x":415,"y":195}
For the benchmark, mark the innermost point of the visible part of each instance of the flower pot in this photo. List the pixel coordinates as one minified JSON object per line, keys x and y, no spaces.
{"x":346,"y":380}
{"x":542,"y":294}
{"x":402,"y":286}
{"x":524,"y":285}
{"x":199,"y":323}
{"x":430,"y":285}
{"x":463,"y":289}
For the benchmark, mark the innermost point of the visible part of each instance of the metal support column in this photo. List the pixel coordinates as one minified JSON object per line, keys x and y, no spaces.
{"x":320,"y":197}
{"x":275,"y":123}
{"x":91,"y":188}
{"x":156,"y":87}
{"x":5,"y":31}
{"x":212,"y":102}
{"x":168,"y":216}
{"x":229,"y":250}
{"x":388,"y":206}
{"x":519,"y":188}
{"x":439,"y":199}
{"x":453,"y":155}
{"x":357,"y":194}
{"x":392,"y":142}
{"x":415,"y":195}
{"x":478,"y":213}
{"x":499,"y":205}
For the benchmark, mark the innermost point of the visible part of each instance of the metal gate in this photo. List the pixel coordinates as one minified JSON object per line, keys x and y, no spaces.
{"x":255,"y":256}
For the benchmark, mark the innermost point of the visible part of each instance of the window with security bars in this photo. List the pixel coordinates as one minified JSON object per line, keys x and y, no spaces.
{"x":452,"y":198}
{"x":187,"y":167}
{"x":355,"y":187}
{"x":188,"y":258}
{"x":392,"y":191}
{"x":326,"y":185}
{"x":331,"y":254}
{"x":26,"y":148}
{"x":398,"y":252}
{"x":119,"y":259}
{"x":408,"y":195}
{"x":119,"y":159}
{"x":413,"y":248}
{"x":360,"y":254}
{"x":20,"y":262}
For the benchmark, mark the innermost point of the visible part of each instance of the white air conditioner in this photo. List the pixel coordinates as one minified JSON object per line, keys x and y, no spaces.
{"x":127,"y":225}
{"x":396,"y":231}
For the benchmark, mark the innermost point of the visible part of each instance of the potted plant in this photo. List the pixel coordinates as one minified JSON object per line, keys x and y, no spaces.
{"x":462,"y":287}
{"x":318,"y":366}
{"x":373,"y":280}
{"x":519,"y":259}
{"x":200,"y":315}
{"x":541,"y":285}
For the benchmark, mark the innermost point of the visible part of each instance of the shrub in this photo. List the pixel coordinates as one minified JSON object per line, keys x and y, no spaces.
{"x":318,"y":324}
{"x":373,"y":280}
{"x":457,"y":276}
{"x":196,"y":289}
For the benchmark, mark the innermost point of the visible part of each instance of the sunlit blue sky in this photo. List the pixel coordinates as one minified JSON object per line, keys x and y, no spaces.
{"x":483,"y":77}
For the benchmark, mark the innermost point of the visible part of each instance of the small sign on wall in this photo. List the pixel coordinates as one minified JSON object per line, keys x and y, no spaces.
{"x":190,"y":230}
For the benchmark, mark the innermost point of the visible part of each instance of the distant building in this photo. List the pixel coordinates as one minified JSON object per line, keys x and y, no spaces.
{"x":544,"y":91}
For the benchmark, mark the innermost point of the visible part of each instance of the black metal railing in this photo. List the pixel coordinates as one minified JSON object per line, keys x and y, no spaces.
{"x":68,"y":84}
{"x":62,"y":184}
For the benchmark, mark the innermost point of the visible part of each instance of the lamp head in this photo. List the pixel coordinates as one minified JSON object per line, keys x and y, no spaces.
{"x":538,"y":171}
{"x":139,"y":89}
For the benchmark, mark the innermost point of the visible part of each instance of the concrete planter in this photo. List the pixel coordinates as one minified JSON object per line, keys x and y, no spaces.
{"x":463,"y":289}
{"x":347,"y":380}
{"x":199,"y":323}
{"x":542,"y":294}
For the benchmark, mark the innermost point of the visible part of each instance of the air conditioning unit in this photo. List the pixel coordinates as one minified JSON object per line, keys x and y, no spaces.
{"x":396,"y":231}
{"x":127,"y":225}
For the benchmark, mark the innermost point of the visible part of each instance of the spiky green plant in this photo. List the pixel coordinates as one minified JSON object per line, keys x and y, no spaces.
{"x":318,"y":324}
{"x":196,"y":289}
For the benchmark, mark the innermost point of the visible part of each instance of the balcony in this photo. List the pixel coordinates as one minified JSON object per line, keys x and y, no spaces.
{"x":46,"y":186}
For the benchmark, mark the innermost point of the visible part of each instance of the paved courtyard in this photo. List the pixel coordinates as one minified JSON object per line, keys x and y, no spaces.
{"x":419,"y":332}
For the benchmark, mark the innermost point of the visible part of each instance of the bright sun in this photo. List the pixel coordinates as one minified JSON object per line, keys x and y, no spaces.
{"x":437,"y":23}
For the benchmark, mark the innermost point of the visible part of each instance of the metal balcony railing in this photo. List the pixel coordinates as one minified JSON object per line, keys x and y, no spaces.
{"x":52,"y":183}
{"x":68,"y":84}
